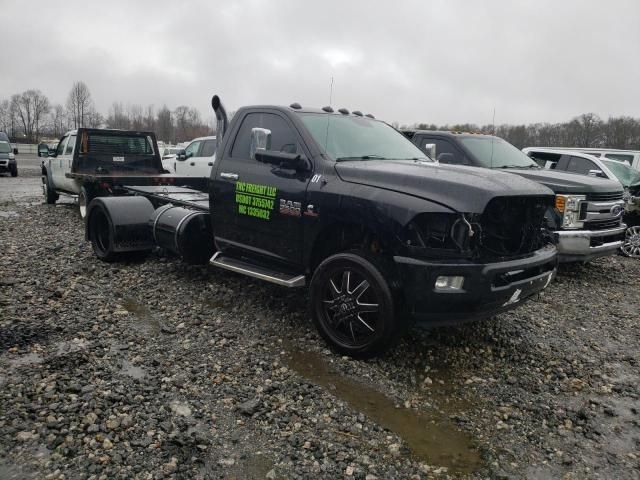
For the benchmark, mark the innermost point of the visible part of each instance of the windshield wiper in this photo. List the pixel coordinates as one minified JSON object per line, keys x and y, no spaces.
{"x":361,"y":157}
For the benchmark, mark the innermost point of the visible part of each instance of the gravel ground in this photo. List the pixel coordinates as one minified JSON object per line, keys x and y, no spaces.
{"x":159,"y":370}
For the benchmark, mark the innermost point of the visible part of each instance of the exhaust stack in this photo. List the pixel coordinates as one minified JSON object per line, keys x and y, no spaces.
{"x":221,"y":118}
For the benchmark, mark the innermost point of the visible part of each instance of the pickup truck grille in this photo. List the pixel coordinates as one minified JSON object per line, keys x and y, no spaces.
{"x":602,"y":224}
{"x":604,"y":197}
{"x":513,"y":226}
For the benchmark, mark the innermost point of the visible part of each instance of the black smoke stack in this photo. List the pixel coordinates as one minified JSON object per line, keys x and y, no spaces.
{"x":221,"y":117}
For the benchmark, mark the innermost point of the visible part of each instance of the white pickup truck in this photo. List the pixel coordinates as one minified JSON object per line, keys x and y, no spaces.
{"x":98,"y":152}
{"x":196,"y":160}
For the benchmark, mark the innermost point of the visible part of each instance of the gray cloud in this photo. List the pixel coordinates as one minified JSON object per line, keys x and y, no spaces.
{"x":438,"y":61}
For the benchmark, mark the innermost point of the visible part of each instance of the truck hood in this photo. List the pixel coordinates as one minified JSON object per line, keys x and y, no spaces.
{"x":563,"y":182}
{"x":464,"y":189}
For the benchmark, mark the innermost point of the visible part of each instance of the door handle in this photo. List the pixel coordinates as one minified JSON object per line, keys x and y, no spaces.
{"x":229,"y":176}
{"x":210,"y":164}
{"x":193,"y":164}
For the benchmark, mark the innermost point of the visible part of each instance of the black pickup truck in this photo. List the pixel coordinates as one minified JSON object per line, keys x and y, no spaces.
{"x":587,"y":218}
{"x":383,"y":236}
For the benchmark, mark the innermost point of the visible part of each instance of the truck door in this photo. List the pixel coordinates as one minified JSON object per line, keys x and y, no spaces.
{"x":258,"y":206}
{"x":67,"y":159}
{"x":183,"y":166}
{"x":201,"y":165}
{"x":55,"y":164}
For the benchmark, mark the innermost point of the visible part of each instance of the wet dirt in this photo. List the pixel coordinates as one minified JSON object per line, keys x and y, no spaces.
{"x":133,"y":371}
{"x":429,"y":435}
{"x":146,"y":322}
{"x":254,"y":467}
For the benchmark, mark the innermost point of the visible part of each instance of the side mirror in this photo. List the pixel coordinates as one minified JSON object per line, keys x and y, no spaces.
{"x":181,"y":155}
{"x":260,"y":142}
{"x":430,"y":149}
{"x":15,"y":151}
{"x":597,"y":173}
{"x":290,"y":161}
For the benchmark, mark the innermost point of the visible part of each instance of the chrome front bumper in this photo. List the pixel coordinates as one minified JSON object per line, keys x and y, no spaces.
{"x":586,"y":245}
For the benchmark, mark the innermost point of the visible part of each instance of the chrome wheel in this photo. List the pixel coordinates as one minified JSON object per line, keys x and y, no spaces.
{"x":631,"y":245}
{"x":82,"y":203}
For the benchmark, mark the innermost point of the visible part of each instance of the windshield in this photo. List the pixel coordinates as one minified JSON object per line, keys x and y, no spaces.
{"x":345,"y":137}
{"x":493,"y":152}
{"x":5,"y":147}
{"x":625,"y":174}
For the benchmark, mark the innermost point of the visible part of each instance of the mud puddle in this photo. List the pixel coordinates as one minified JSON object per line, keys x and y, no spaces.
{"x":254,"y":467}
{"x":430,"y":436}
{"x":133,"y":371}
{"x":146,"y":321}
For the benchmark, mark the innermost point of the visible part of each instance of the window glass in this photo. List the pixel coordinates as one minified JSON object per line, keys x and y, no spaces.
{"x":581,"y":165}
{"x":493,"y":152}
{"x":445,"y":151}
{"x":192,"y":149}
{"x":5,"y":147}
{"x":627,"y":175}
{"x":70,"y":145}
{"x":346,"y":137}
{"x":283,"y":138}
{"x":545,"y":159}
{"x":208,"y":149}
{"x":119,"y":144}
{"x":61,"y":146}
{"x":621,"y":157}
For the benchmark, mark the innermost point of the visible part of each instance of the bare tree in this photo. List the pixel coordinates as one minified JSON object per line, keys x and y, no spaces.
{"x":30,"y":108}
{"x":150,"y":118}
{"x":136,"y":116}
{"x":6,"y":117}
{"x":164,"y":125}
{"x":79,"y":104}
{"x":118,"y":118}
{"x":58,"y":121}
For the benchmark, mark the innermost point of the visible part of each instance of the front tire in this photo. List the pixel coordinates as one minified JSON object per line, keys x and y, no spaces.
{"x":50,"y":195}
{"x":631,"y":245}
{"x":14,"y":171}
{"x":353,"y":305}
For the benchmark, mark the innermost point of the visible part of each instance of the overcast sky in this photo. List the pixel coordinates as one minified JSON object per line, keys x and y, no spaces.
{"x":439,"y":61}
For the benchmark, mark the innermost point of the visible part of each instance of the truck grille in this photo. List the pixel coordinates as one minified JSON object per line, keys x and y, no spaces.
{"x":602,"y":224}
{"x":513,"y":226}
{"x":604,"y":197}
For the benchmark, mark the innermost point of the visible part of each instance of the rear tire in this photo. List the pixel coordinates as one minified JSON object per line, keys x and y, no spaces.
{"x":353,"y":305}
{"x":84,"y":199}
{"x":50,"y":195}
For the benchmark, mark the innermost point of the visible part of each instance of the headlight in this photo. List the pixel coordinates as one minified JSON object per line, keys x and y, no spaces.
{"x":569,"y":208}
{"x":12,"y":156}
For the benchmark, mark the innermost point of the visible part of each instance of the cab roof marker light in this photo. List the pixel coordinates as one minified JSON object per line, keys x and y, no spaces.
{"x":295,"y":105}
{"x":357,"y":113}
{"x":344,"y":111}
{"x":327,"y":109}
{"x":369,"y":115}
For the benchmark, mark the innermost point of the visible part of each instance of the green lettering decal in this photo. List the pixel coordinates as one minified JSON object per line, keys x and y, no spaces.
{"x":255,"y":200}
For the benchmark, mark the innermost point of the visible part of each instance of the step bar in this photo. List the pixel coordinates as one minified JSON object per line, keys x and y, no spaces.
{"x":255,"y":271}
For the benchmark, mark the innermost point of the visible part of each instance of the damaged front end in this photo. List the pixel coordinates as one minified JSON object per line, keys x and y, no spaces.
{"x":508,"y":228}
{"x":463,"y":266}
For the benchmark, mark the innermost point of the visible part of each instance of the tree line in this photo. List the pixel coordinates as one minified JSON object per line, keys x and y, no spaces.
{"x":30,"y":116}
{"x":584,"y":131}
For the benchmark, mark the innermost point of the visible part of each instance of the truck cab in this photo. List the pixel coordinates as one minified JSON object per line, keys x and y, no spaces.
{"x":587,"y":218}
{"x":196,"y":159}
